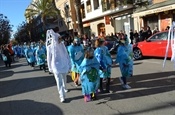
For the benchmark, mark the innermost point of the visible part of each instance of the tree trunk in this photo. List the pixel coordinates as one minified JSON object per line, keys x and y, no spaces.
{"x":77,"y":4}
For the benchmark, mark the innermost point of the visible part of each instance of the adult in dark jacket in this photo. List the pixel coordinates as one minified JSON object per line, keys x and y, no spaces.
{"x":142,"y":34}
{"x":131,"y":36}
{"x":6,"y":53}
{"x":148,"y":32}
{"x":136,"y":36}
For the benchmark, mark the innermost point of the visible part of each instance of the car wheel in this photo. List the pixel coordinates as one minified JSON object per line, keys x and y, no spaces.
{"x":137,"y":54}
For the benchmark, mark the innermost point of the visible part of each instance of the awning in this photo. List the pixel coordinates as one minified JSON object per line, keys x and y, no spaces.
{"x":157,"y":10}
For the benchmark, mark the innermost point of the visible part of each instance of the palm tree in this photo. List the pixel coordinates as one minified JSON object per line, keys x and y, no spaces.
{"x":43,"y":8}
{"x":77,"y":4}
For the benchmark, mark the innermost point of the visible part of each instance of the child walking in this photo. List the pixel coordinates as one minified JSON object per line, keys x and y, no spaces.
{"x":89,"y":75}
{"x":125,"y":60}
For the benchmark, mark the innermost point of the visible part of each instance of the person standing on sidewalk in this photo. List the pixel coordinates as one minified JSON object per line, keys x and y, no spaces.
{"x":59,"y":60}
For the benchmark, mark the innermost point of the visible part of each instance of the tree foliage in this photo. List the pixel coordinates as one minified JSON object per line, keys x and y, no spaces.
{"x":42,"y":8}
{"x":22,"y":34}
{"x":5,"y":29}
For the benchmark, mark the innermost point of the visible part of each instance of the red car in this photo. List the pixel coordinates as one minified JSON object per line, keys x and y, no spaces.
{"x":154,"y":46}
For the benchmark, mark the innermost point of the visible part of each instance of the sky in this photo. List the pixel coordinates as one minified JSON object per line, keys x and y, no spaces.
{"x":14,"y":10}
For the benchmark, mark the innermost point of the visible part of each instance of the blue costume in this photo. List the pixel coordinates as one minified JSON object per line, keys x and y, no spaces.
{"x":77,"y":55}
{"x":40,"y":56}
{"x":104,"y":58}
{"x":124,"y":58}
{"x":29,"y":55}
{"x":89,"y":83}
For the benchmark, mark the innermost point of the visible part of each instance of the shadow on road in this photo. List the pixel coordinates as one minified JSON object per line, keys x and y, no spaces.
{"x":136,"y":63}
{"x":18,"y":86}
{"x":3,"y":68}
{"x":4,"y":74}
{"x":146,"y":84}
{"x":28,"y":107}
{"x":27,"y":71}
{"x":151,"y":109}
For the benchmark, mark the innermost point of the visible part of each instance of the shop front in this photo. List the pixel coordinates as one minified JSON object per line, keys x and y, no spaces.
{"x":98,"y":26}
{"x":124,"y":23}
{"x":160,"y":17}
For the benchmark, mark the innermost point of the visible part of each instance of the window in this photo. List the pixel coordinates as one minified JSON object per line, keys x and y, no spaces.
{"x":105,"y":5}
{"x":88,"y":3}
{"x":96,"y":4}
{"x":160,"y":36}
{"x":66,"y":10}
{"x":112,"y":4}
{"x":83,"y":11}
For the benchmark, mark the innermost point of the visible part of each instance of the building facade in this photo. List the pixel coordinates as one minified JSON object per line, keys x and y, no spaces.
{"x":67,"y":17}
{"x":159,"y":13}
{"x":108,"y":16}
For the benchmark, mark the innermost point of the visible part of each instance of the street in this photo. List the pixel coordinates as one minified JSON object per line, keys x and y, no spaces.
{"x":24,"y":91}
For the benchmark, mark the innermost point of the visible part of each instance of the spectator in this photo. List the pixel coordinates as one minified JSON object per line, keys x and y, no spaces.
{"x":167,"y":28}
{"x":142,"y":34}
{"x":7,"y":55}
{"x":148,"y":32}
{"x":136,"y":36}
{"x":131,"y":36}
{"x":155,"y":30}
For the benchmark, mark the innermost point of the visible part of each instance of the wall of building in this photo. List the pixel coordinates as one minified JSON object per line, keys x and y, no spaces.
{"x":63,"y":20}
{"x":158,"y":1}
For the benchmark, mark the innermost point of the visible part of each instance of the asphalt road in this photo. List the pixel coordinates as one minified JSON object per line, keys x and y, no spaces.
{"x":24,"y":91}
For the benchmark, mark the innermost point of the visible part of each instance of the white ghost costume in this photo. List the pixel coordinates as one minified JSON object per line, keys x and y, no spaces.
{"x":58,"y":61}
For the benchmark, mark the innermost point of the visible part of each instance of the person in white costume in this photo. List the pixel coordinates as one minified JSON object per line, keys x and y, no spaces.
{"x":58,"y":61}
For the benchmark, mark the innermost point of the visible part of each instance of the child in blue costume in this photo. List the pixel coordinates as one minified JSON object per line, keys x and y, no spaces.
{"x":30,"y":56}
{"x":125,"y":59}
{"x":89,"y":75}
{"x":76,"y":53}
{"x":104,"y":58}
{"x":41,"y":57}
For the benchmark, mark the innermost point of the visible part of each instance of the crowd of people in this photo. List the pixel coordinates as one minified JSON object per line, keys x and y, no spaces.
{"x":88,"y":60}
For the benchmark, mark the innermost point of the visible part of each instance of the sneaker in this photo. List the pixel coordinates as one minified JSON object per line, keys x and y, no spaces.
{"x":87,"y":98}
{"x":127,"y":86}
{"x":107,"y":91}
{"x":121,"y":81}
{"x":62,"y":100}
{"x":66,"y":90}
{"x":123,"y":86}
{"x":76,"y":84}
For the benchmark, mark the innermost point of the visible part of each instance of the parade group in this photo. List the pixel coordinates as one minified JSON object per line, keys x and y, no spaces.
{"x":89,"y":65}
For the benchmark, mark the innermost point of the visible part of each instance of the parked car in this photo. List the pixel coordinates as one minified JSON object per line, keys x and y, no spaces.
{"x":154,"y":46}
